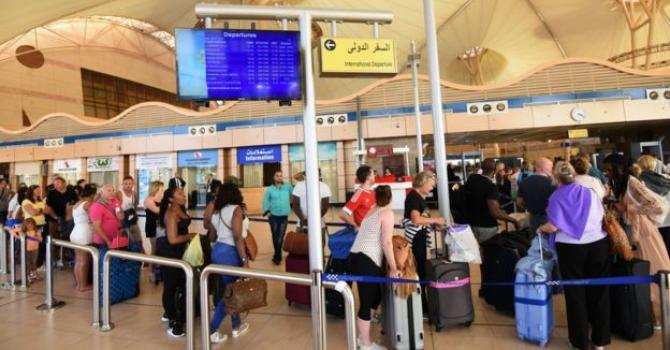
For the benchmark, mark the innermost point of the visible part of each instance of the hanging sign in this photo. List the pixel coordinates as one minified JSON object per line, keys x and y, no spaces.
{"x":198,"y":159}
{"x":578,"y":133}
{"x":66,"y":166}
{"x":153,"y":161}
{"x":262,"y":154}
{"x":102,"y":164}
{"x":358,"y":56}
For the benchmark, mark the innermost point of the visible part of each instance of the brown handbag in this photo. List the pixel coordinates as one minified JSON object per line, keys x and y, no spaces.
{"x":296,"y":243}
{"x":245,"y":294}
{"x":619,"y":244}
{"x":251,"y":246}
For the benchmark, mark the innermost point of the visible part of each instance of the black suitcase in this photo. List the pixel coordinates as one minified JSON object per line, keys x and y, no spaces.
{"x":631,"y":312}
{"x":500,"y":256}
{"x":449,"y":306}
{"x":334,"y":300}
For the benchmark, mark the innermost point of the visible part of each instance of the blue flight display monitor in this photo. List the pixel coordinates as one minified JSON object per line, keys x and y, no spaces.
{"x":233,"y":64}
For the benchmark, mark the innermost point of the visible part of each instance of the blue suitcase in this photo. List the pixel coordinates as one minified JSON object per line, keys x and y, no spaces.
{"x":534,"y":309}
{"x":124,"y":277}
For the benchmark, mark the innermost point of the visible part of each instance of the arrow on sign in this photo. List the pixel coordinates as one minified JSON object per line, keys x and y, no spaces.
{"x":329,"y":44}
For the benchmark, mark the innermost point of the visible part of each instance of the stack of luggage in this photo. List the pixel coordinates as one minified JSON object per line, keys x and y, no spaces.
{"x":500,"y":257}
{"x":297,"y":261}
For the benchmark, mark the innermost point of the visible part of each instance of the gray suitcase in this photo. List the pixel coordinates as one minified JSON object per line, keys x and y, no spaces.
{"x":403,"y":320}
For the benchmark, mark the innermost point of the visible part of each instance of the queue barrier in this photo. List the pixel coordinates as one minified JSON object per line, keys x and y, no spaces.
{"x":13,"y":283}
{"x":661,"y":279}
{"x":50,"y":301}
{"x":294,"y":278}
{"x":107,"y":325}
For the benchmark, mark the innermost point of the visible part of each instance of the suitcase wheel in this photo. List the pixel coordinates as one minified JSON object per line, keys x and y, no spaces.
{"x":468,"y":324}
{"x":290,"y":303}
{"x":438,"y":328}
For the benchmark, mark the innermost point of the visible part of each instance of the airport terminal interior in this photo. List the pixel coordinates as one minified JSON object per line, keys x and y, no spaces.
{"x":442,"y":112}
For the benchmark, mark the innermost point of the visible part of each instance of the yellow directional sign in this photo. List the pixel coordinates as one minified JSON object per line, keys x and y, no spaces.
{"x":578,"y":133}
{"x":358,"y":56}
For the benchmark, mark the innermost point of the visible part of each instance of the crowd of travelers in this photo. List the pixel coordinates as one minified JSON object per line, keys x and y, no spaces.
{"x":567,"y":200}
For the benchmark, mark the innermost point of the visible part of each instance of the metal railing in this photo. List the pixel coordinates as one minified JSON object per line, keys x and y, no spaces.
{"x":50,"y":301}
{"x":188,"y":271}
{"x":294,"y":278}
{"x":13,"y":282}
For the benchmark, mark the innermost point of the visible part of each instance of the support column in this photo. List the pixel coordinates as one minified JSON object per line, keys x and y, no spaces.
{"x":438,"y":119}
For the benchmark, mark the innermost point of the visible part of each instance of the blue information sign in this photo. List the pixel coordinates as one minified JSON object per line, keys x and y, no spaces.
{"x":227,"y":64}
{"x":261,"y":154}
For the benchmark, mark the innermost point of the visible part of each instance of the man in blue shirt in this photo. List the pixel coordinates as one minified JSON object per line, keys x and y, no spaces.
{"x":277,"y":204}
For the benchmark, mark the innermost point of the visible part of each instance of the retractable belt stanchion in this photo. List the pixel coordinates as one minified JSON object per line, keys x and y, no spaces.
{"x":12,"y":265}
{"x":50,"y":302}
{"x":24,"y":272}
{"x":665,"y":307}
{"x":3,"y":250}
{"x":107,"y":325}
{"x":294,"y":278}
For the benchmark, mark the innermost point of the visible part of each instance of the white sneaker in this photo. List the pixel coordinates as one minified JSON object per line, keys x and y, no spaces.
{"x":217,"y":337}
{"x":372,"y":346}
{"x":243,"y":328}
{"x":164,"y":318}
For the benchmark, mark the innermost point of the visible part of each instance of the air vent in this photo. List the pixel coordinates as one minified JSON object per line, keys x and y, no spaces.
{"x":331,"y":119}
{"x":488,"y":107}
{"x":200,"y":130}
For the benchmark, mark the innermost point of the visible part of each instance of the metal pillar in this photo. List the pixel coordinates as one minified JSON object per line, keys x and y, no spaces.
{"x":49,"y":301}
{"x":107,"y":325}
{"x":438,"y":119}
{"x":312,"y":183}
{"x":24,"y":272}
{"x":359,"y":130}
{"x":414,"y":61}
{"x":665,"y":307}
{"x":12,"y":266}
{"x":3,"y":251}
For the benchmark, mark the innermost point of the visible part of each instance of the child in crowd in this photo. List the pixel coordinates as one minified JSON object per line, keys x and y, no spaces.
{"x":33,"y":239}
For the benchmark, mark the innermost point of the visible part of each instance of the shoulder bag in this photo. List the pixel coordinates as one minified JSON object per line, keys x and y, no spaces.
{"x":250,"y":244}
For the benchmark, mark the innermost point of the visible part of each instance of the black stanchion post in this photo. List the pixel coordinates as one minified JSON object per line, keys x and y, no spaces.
{"x":665,"y":307}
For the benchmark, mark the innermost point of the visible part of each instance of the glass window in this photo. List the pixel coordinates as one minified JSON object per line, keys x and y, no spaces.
{"x":105,"y":96}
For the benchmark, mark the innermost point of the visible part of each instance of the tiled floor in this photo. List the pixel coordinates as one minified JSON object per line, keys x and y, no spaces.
{"x":278,"y":326}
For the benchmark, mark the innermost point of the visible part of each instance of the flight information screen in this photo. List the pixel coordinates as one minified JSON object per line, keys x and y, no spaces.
{"x":231,"y":64}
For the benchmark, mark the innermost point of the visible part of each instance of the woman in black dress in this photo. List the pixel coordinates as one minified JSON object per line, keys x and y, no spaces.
{"x":175,"y":221}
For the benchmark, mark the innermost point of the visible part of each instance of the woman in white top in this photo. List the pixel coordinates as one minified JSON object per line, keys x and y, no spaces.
{"x":83,"y":235}
{"x":373,"y":243}
{"x":231,"y":226}
{"x":582,"y":168}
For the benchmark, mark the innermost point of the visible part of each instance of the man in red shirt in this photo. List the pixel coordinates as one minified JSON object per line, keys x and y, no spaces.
{"x":362,"y":200}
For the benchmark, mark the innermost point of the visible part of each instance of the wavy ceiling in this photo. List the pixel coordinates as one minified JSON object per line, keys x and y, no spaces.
{"x":518,"y":33}
{"x":562,"y":76}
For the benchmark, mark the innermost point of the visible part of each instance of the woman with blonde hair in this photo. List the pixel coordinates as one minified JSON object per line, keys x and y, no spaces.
{"x":575,"y":214}
{"x":417,"y":221}
{"x":642,"y":207}
{"x":658,"y":183}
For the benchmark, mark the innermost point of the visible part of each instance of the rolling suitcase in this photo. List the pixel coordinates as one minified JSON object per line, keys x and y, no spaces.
{"x":403,"y":320}
{"x":124,"y":277}
{"x":534,"y":309}
{"x":334,"y":300}
{"x":631,"y":312}
{"x":500,"y":256}
{"x":449,"y":294}
{"x":296,"y":293}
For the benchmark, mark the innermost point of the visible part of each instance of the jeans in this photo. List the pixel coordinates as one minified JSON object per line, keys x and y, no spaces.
{"x":224,"y":254}
{"x":278,"y":228}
